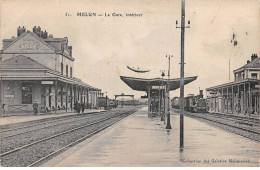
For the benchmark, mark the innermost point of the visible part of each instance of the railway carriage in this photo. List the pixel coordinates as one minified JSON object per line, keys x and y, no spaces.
{"x":191,"y":103}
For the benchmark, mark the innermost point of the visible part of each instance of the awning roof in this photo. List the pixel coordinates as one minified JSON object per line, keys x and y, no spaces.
{"x":234,"y":83}
{"x":140,"y":84}
{"x":24,"y":68}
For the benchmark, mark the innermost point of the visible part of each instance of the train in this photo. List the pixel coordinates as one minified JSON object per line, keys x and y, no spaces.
{"x":106,"y":102}
{"x":192,"y":103}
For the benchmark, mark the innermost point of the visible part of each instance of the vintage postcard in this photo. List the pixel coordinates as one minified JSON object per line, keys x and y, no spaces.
{"x":129,"y":83}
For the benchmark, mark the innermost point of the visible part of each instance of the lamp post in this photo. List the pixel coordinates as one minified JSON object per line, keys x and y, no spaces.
{"x":162,"y":111}
{"x":168,"y":124}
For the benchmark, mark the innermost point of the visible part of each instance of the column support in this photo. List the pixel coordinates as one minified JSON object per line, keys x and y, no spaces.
{"x":66,"y":97}
{"x":244,"y":98}
{"x":81,"y":93}
{"x":71,"y":97}
{"x":218,"y":99}
{"x":227,"y":99}
{"x":232,"y":101}
{"x":222,"y":101}
{"x":87,"y":97}
{"x":61,"y":94}
{"x":149,"y":102}
{"x":238,"y":100}
{"x":56,"y":95}
{"x":249,"y":100}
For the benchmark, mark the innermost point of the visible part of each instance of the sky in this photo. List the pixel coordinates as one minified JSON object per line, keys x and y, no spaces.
{"x":103,"y":47}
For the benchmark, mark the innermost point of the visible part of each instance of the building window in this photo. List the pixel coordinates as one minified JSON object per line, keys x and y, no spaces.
{"x":26,"y":93}
{"x":61,"y":68}
{"x":67,"y":71}
{"x":70,"y":71}
{"x":254,"y":75}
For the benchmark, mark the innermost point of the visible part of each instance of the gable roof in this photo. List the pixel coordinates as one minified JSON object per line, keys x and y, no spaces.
{"x":34,"y":35}
{"x":21,"y":62}
{"x":253,"y":64}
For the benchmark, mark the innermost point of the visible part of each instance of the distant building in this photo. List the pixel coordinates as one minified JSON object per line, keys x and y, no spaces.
{"x":240,"y":96}
{"x":37,"y":67}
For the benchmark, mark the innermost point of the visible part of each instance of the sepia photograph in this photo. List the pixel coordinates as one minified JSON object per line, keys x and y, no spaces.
{"x":129,"y":83}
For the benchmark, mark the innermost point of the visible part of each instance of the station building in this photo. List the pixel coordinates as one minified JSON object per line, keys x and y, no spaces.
{"x":35,"y":66}
{"x":240,"y":96}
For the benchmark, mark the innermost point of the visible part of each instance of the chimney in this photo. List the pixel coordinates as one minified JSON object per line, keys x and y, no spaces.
{"x":34,"y":29}
{"x":70,"y":50}
{"x":44,"y":35}
{"x":20,"y":31}
{"x":41,"y":34}
{"x":254,"y":56}
{"x":201,"y":93}
{"x":248,"y":61}
{"x":50,"y":36}
{"x":38,"y":31}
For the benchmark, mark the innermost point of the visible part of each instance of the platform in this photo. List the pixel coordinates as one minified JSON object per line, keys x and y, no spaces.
{"x":30,"y":117}
{"x":141,"y":141}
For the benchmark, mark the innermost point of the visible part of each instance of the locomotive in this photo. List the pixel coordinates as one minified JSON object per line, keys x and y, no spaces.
{"x":106,"y":102}
{"x":192,"y":103}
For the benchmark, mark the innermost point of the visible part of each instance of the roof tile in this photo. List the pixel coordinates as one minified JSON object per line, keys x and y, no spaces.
{"x":21,"y":62}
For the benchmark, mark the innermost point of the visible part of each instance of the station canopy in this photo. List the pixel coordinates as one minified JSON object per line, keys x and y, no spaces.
{"x":141,"y":84}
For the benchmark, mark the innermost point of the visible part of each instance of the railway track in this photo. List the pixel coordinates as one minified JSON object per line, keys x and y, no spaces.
{"x":43,"y":125}
{"x":36,"y":152}
{"x":249,"y":129}
{"x":28,"y":124}
{"x":248,"y":120}
{"x":14,"y":139}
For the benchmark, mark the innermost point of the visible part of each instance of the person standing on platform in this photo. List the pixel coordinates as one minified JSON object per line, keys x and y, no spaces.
{"x":75,"y":106}
{"x":3,"y":107}
{"x":35,"y":108}
{"x":82,"y":107}
{"x":78,"y":107}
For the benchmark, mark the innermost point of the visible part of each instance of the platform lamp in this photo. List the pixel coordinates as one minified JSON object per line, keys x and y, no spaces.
{"x":168,"y":124}
{"x":162,"y":111}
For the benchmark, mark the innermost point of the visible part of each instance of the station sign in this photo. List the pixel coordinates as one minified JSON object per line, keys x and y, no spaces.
{"x":47,"y":82}
{"x":157,"y":87}
{"x":9,"y":96}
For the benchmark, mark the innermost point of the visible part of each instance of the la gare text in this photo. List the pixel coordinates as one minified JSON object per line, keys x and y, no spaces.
{"x":114,"y":14}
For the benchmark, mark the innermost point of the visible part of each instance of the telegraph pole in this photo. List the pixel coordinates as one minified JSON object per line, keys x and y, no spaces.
{"x":182,"y":73}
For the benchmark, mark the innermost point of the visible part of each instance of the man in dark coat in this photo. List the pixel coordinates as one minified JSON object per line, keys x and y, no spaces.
{"x":35,"y":107}
{"x":82,"y":107}
{"x":75,"y":106}
{"x":78,"y":107}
